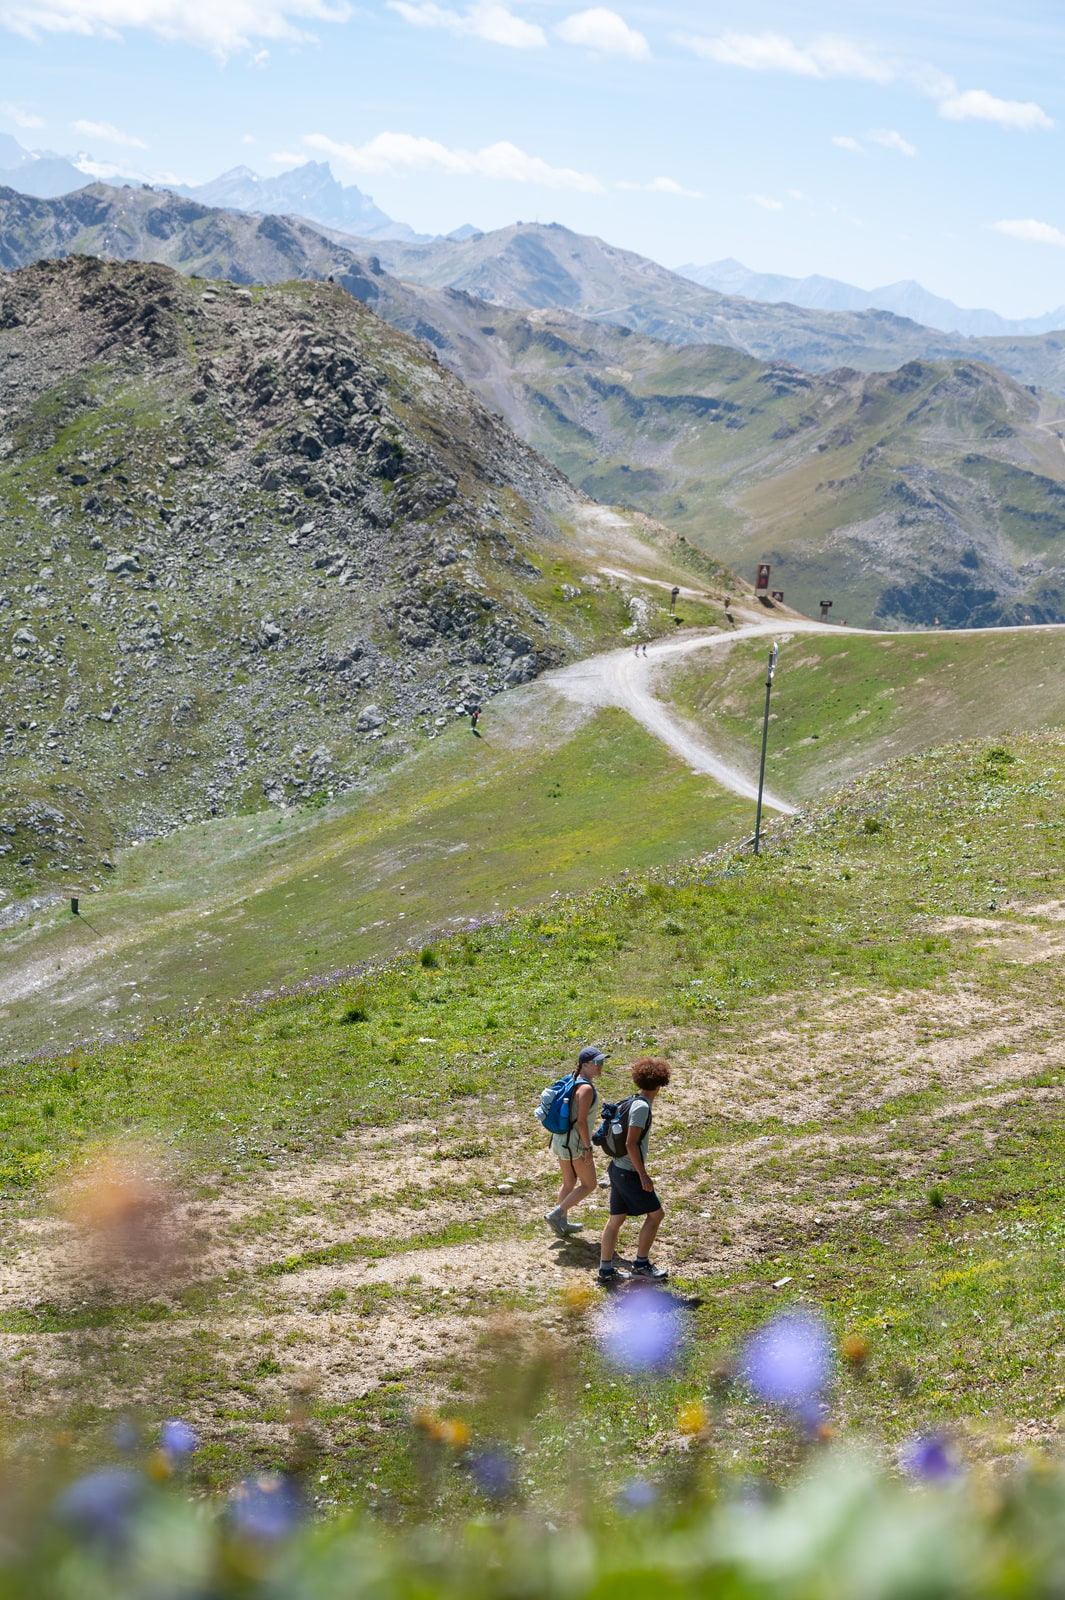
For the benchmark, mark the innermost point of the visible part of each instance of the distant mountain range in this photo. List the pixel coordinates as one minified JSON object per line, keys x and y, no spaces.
{"x":533,"y":266}
{"x":905,"y":299}
{"x":934,"y":490}
{"x":309,"y":191}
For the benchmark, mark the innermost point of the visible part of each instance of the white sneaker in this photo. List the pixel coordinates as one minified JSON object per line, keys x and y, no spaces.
{"x":573,"y":1227}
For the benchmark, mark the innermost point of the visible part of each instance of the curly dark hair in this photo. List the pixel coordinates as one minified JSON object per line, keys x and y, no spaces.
{"x":650,"y":1072}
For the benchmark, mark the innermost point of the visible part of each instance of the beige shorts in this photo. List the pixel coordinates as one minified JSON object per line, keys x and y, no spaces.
{"x":568,"y":1147}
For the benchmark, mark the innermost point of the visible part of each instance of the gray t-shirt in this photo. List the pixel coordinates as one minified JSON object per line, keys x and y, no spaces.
{"x":639,"y":1117}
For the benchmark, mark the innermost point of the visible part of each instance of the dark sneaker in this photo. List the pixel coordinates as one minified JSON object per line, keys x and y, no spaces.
{"x":647,"y":1269}
{"x":556,"y":1222}
{"x":608,"y":1276}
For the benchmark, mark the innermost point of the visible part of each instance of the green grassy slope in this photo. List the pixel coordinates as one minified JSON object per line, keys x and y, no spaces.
{"x":867,"y":1115}
{"x":466,"y":827}
{"x":844,"y":703}
{"x":541,"y":802}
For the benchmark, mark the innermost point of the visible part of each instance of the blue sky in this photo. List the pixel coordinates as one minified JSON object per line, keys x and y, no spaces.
{"x":863,"y":141}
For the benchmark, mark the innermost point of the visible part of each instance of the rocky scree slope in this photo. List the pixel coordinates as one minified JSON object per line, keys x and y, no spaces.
{"x":248,"y":540}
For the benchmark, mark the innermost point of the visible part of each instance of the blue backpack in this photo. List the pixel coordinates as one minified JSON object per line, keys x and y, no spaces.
{"x":555,"y":1104}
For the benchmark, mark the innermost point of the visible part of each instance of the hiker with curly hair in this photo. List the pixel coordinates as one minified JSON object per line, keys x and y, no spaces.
{"x":632,"y":1191}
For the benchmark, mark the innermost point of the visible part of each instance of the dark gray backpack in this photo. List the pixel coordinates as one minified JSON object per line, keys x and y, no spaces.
{"x":612,"y":1134}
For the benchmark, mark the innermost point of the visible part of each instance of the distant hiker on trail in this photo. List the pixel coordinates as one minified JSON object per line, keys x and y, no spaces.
{"x":573,"y":1147}
{"x":636,"y":651}
{"x":624,"y":1134}
{"x":645,"y":649}
{"x":475,"y":717}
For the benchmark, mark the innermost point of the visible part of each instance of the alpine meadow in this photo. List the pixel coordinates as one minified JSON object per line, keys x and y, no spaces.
{"x":532,"y":802}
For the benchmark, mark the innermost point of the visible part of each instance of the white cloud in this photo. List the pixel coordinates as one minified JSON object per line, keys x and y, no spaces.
{"x":827,"y":57}
{"x":1031,"y":232}
{"x":247,"y":138}
{"x":398,"y":152}
{"x":484,"y":19}
{"x":600,"y":29}
{"x":978,"y":106}
{"x":766,"y":202}
{"x":892,"y":141}
{"x":831,"y":56}
{"x":109,"y":134}
{"x":21,"y":119}
{"x":222,"y":26}
{"x":845,"y":142}
{"x":662,"y":186}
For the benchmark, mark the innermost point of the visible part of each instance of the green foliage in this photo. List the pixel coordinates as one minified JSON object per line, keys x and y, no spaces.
{"x":845,"y":1531}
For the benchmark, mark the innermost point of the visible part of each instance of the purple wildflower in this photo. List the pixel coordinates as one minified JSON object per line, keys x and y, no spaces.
{"x":100,"y":1506}
{"x":929,"y":1457}
{"x":178,"y":1439}
{"x":267,"y":1508}
{"x":643,"y":1330}
{"x":788,"y":1361}
{"x":812,"y":1415}
{"x":636,"y":1495}
{"x":494,"y":1474}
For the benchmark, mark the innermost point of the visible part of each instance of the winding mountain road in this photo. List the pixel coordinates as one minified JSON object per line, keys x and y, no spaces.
{"x":622,"y":678}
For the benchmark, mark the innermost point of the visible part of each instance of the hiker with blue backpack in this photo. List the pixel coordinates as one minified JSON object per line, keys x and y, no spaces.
{"x":564,"y":1111}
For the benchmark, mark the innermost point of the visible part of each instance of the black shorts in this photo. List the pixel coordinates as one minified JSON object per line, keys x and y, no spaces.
{"x":628,"y":1197}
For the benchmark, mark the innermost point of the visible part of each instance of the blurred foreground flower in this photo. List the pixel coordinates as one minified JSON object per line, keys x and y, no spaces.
{"x":122,"y":1207}
{"x":643,"y":1330}
{"x":267,"y":1508}
{"x":577,"y":1297}
{"x":930,"y":1458}
{"x":692,"y":1418}
{"x":494,"y":1473}
{"x":451,"y":1431}
{"x":854,"y":1347}
{"x":789,"y":1360}
{"x":100,"y":1507}
{"x":125,"y":1436}
{"x":178,"y":1439}
{"x":636,"y":1495}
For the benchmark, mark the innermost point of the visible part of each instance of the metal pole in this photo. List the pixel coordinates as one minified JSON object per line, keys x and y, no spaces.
{"x":765,"y":740}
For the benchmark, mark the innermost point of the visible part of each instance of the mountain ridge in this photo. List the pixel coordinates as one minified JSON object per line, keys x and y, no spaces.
{"x":251,"y":544}
{"x":906,"y":298}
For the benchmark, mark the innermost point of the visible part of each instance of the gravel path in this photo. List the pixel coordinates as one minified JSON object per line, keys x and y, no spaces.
{"x":624,"y":679}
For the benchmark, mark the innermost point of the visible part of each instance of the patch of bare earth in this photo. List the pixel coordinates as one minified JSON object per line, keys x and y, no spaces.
{"x":384,"y":1261}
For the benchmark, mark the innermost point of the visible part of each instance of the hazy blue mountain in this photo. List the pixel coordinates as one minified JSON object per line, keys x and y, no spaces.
{"x":904,"y":299}
{"x":309,"y":191}
{"x":12,"y":154}
{"x":38,"y":172}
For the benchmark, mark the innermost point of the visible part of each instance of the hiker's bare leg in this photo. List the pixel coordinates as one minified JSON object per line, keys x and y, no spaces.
{"x":648,"y":1233}
{"x":569,"y":1180}
{"x":585,"y":1183}
{"x":610,"y":1237}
